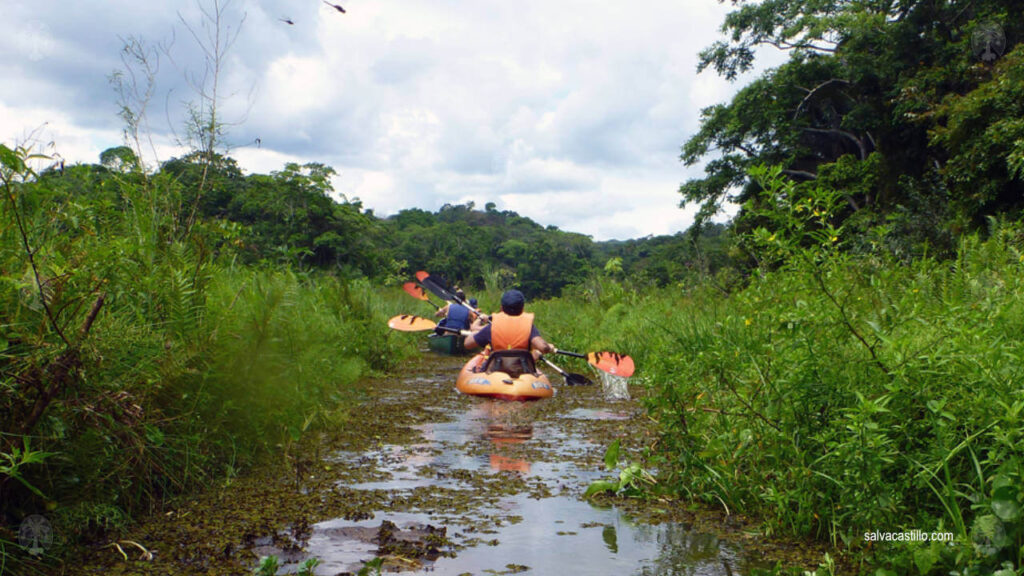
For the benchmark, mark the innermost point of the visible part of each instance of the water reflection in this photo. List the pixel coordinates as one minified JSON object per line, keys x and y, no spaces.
{"x":553,"y":531}
{"x":502,"y":435}
{"x":683,"y":552}
{"x":611,"y":539}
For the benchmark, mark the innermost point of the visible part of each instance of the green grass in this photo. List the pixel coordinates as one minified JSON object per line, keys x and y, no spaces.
{"x":194,"y":369}
{"x":852,"y":394}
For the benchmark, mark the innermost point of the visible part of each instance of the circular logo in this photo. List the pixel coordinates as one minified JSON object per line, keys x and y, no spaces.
{"x":35,"y":534}
{"x":988,"y":41}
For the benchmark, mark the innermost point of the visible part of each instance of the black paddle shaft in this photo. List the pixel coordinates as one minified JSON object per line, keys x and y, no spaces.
{"x":438,"y":288}
{"x":571,"y":379}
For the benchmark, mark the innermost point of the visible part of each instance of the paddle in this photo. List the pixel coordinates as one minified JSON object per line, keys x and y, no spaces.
{"x":418,"y":293}
{"x":437,"y":286}
{"x":410,"y":323}
{"x":610,"y":362}
{"x":571,"y":379}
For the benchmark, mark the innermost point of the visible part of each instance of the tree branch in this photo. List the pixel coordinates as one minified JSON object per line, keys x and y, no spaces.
{"x":747,"y":405}
{"x":59,"y":371}
{"x":801,"y":174}
{"x":783,"y":45}
{"x":30,"y":253}
{"x":861,"y":147}
{"x":812,"y":91}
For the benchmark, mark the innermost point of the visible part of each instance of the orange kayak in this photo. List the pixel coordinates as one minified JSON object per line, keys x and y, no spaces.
{"x":506,"y":375}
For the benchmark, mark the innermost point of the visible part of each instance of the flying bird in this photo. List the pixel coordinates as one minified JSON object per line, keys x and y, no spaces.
{"x":287,"y":21}
{"x":335,"y":6}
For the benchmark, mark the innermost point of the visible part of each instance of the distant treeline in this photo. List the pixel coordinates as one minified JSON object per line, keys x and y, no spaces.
{"x":293,"y":216}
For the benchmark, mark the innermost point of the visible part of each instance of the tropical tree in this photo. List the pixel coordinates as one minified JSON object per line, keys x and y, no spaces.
{"x":862,"y":106}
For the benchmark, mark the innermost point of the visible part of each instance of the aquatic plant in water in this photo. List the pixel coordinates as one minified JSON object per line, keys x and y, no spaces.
{"x":633,"y":480}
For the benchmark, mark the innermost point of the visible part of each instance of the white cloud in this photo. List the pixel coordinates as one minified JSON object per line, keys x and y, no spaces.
{"x":362,"y":184}
{"x":570,"y":112}
{"x":52,"y":133}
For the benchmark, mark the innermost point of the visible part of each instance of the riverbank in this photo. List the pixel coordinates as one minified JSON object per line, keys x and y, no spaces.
{"x":503,"y":481}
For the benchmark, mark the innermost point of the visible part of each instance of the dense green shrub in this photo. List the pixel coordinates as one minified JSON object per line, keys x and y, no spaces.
{"x":138,"y":360}
{"x":838,"y":393}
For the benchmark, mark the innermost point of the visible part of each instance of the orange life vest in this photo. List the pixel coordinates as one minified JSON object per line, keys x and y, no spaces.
{"x":511,"y":332}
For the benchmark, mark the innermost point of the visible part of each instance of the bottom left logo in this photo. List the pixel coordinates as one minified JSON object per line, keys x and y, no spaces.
{"x":35,"y":534}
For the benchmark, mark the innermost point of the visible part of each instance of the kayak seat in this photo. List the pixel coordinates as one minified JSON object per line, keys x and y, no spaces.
{"x":515,"y":363}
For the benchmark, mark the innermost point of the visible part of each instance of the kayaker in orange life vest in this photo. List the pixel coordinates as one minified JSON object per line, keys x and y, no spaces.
{"x":511,"y":329}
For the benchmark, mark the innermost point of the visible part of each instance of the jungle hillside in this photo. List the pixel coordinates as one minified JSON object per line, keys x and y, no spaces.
{"x":842,"y":357}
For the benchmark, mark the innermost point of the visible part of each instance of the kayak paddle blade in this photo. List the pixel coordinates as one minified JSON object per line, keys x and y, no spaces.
{"x":410,"y":323}
{"x":415,"y":291}
{"x":612,"y":363}
{"x":422,"y":275}
{"x":573,"y":379}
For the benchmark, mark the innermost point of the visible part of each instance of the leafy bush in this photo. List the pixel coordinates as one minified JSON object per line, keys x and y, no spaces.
{"x":139,"y":361}
{"x":840,"y":392}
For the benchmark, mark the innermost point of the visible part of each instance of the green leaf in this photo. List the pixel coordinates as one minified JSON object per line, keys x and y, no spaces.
{"x":267,"y":567}
{"x":627,"y":475}
{"x":374,"y":565}
{"x":925,"y":559}
{"x":611,"y":455}
{"x":1003,"y":487}
{"x":154,"y":435}
{"x":600,"y":486}
{"x":988,"y":527}
{"x":10,"y":159}
{"x":985,"y":526}
{"x":1006,"y":510}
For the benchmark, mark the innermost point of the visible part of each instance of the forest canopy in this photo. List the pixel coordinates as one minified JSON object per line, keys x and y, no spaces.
{"x":912,"y":109}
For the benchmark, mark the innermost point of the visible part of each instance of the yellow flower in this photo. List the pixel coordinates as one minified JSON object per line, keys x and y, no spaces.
{"x":748,"y":321}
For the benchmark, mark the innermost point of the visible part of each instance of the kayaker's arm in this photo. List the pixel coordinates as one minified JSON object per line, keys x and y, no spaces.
{"x":541,"y":345}
{"x":471,"y":343}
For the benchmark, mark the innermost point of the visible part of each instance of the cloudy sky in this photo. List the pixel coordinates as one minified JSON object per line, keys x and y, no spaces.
{"x":570,"y":112}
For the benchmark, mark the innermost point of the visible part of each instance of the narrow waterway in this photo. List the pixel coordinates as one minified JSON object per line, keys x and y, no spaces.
{"x":502,"y":481}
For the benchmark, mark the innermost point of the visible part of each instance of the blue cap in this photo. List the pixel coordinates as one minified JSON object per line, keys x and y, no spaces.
{"x":512,"y":302}
{"x":472,"y":302}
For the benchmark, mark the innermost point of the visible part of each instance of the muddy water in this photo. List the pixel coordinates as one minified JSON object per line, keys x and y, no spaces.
{"x":505,"y":482}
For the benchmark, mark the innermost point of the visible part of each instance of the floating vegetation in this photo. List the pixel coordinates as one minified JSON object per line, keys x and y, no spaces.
{"x":410,"y":486}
